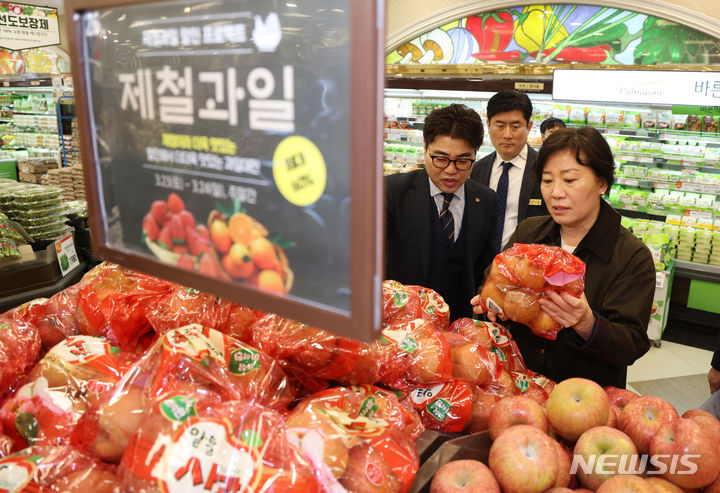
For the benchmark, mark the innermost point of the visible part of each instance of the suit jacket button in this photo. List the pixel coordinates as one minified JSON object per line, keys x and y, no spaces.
{"x":542,"y":351}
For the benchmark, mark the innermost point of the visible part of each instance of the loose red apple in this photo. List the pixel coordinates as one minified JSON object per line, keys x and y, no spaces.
{"x":619,"y":397}
{"x":516,"y":410}
{"x":642,"y":417}
{"x":690,"y":457}
{"x":613,"y":416}
{"x":709,"y":423}
{"x":600,"y":453}
{"x":524,"y":460}
{"x":464,"y":476}
{"x":576,"y":405}
{"x":625,"y":483}
{"x":660,"y":485}
{"x":564,"y":465}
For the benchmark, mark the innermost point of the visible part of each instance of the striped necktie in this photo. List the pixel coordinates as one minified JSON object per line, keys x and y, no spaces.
{"x":502,"y":193}
{"x":446,"y":217}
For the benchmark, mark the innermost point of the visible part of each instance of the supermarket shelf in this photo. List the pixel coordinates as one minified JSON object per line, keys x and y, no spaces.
{"x":701,"y":272}
{"x":23,"y":112}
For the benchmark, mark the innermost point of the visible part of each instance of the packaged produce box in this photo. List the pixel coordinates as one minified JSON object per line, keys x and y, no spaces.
{"x":8,"y":170}
{"x":661,"y":302}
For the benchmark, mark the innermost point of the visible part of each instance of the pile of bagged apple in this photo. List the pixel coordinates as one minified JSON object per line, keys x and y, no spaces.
{"x":129,"y":383}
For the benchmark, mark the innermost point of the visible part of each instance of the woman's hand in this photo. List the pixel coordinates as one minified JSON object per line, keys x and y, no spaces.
{"x":569,"y":311}
{"x":477,"y":309}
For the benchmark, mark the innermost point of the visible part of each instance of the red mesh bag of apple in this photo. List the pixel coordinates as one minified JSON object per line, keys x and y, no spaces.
{"x":433,"y":307}
{"x":412,"y":354}
{"x":46,"y":469}
{"x":19,"y":344}
{"x":400,"y":303}
{"x":357,"y":438}
{"x":113,"y":302}
{"x":493,"y":337}
{"x":520,"y":275}
{"x":315,"y":356}
{"x":191,"y":438}
{"x":191,"y":357}
{"x":444,"y":406}
{"x":70,"y":378}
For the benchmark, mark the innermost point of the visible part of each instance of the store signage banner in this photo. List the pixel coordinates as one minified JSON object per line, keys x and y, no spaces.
{"x":222,"y":140}
{"x":638,"y":86}
{"x":27,"y":26}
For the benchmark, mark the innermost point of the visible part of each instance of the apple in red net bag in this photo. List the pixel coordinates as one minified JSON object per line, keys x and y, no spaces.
{"x":520,"y":275}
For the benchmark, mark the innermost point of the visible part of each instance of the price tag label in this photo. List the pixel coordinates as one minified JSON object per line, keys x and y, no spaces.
{"x":66,"y":255}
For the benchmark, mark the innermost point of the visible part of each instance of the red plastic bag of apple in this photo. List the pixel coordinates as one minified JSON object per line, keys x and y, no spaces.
{"x":181,"y":307}
{"x":113,"y":302}
{"x":411,"y":354}
{"x":19,"y":345}
{"x":192,"y":357}
{"x":483,"y":401}
{"x":237,"y":320}
{"x":494,"y":337}
{"x":61,"y":387}
{"x":519,"y":276}
{"x":400,"y":303}
{"x":433,"y":307}
{"x":445,"y":406}
{"x":471,"y":361}
{"x":194,"y":440}
{"x":46,"y":469}
{"x":310,"y":353}
{"x":350,"y":445}
{"x":533,"y":385}
{"x":56,"y":318}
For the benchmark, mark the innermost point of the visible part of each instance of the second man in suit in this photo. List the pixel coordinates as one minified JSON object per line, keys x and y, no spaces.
{"x":509,"y":170}
{"x":440,"y":226}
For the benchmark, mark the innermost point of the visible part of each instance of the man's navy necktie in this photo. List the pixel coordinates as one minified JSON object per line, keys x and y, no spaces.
{"x":446,"y":217}
{"x":502,"y":192}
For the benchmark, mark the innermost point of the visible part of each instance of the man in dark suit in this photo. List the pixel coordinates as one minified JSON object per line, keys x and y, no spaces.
{"x":509,"y":170}
{"x":440,"y":226}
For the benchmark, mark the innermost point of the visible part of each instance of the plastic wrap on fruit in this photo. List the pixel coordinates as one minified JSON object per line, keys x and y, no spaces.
{"x":70,"y":378}
{"x":369,"y":401}
{"x":181,"y":307}
{"x":492,"y":336}
{"x":520,"y":275}
{"x":46,"y":469}
{"x":19,"y":345}
{"x":113,"y":302}
{"x":236,"y":320}
{"x":57,"y":317}
{"x":533,"y":385}
{"x":433,"y":307}
{"x":504,"y":385}
{"x":471,"y":361}
{"x":412,"y":354}
{"x":445,"y":406}
{"x":351,"y":449}
{"x":483,"y":401}
{"x":194,"y":440}
{"x":400,"y":303}
{"x":310,"y":353}
{"x":191,"y":356}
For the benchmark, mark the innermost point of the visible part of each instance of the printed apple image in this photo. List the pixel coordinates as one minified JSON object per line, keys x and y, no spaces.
{"x":524,"y":460}
{"x":690,"y":457}
{"x":643,"y":417}
{"x":576,"y":405}
{"x":464,"y":476}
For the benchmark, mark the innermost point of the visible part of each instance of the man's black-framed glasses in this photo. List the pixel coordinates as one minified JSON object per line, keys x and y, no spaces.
{"x":443,"y":162}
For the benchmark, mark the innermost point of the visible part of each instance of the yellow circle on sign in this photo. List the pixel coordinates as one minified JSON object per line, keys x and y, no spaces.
{"x":299,"y":170}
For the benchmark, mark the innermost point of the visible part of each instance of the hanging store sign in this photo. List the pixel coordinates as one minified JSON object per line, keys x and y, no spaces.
{"x":28,"y":26}
{"x":230,"y":149}
{"x":638,"y":86}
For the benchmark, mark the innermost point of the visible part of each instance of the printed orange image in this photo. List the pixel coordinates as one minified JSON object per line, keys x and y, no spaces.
{"x":233,"y":245}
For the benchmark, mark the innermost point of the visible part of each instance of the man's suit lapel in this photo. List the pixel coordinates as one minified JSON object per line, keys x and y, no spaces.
{"x":473,"y":220}
{"x":420,"y":202}
{"x":528,"y":183}
{"x":486,"y":168}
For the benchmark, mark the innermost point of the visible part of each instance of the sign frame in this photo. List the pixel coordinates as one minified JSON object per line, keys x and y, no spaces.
{"x":366,"y":72}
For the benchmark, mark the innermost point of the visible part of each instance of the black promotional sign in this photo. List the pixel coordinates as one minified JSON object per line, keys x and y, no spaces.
{"x":225,"y":142}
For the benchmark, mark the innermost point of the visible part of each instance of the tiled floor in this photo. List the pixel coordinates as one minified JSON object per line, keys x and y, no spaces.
{"x":674,"y":372}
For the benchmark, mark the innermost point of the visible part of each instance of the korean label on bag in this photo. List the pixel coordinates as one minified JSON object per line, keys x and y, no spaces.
{"x":66,"y":254}
{"x":222,"y":139}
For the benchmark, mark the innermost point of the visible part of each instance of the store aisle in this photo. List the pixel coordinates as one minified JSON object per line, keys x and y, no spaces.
{"x":674,"y":372}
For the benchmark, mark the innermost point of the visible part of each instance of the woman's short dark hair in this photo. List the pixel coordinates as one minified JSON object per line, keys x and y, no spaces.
{"x":456,"y":121}
{"x":589,"y":147}
{"x":551,"y":122}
